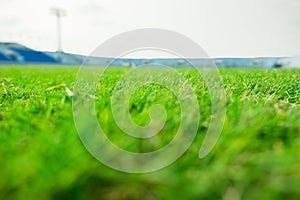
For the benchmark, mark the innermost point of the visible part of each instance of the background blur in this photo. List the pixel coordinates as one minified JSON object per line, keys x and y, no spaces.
{"x":228,"y":28}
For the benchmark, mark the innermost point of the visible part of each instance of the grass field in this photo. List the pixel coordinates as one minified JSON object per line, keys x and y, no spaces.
{"x":256,"y":157}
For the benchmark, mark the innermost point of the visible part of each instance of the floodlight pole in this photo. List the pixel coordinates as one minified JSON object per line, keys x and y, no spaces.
{"x":58,"y":13}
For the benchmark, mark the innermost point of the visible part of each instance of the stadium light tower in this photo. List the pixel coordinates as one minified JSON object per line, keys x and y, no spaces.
{"x":58,"y":13}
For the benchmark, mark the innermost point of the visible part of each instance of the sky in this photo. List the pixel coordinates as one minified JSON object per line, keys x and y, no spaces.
{"x":224,"y":28}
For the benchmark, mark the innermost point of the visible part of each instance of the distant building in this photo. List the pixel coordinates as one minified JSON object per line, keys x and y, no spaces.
{"x":13,"y":53}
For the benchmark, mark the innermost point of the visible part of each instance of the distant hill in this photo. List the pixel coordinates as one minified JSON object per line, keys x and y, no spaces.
{"x":16,"y":54}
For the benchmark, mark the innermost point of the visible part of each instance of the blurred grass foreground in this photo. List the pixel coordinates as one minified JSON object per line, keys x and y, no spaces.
{"x":256,"y":157}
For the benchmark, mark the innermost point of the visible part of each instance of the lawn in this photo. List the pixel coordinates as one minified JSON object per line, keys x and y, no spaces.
{"x":256,"y":157}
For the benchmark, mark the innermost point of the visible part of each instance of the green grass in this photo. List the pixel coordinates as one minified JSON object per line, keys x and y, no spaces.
{"x":256,"y":157}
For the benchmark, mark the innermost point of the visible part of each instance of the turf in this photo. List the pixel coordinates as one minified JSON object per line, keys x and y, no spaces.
{"x":256,"y":157}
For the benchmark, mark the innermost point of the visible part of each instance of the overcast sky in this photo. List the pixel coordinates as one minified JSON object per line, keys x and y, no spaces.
{"x":224,"y":28}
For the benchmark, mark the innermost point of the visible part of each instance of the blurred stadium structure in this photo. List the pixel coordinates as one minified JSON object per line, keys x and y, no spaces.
{"x":58,"y":13}
{"x":16,"y":54}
